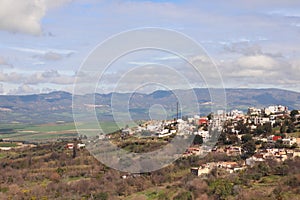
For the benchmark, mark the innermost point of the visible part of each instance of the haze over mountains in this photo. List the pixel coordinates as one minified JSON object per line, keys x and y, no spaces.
{"x":57,"y":106}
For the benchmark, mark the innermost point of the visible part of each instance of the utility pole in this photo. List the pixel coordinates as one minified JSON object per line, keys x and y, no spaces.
{"x":177,"y":111}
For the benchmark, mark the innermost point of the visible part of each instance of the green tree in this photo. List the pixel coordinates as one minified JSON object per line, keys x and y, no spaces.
{"x":294,"y":113}
{"x":221,"y":187}
{"x":102,"y":196}
{"x":283,"y":128}
{"x":223,"y":138}
{"x":233,"y":139}
{"x":242,"y":128}
{"x":210,"y":116}
{"x":279,"y":144}
{"x":246,"y":138}
{"x":198,"y":140}
{"x":184,"y":196}
{"x":263,"y":168}
{"x":259,"y":130}
{"x":267,"y":127}
{"x":291,"y":127}
{"x":249,"y":149}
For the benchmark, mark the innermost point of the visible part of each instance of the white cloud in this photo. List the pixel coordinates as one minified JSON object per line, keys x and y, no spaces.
{"x":52,"y":56}
{"x":49,"y":76}
{"x":25,"y":16}
{"x":258,"y":61}
{"x":24,"y":89}
{"x":1,"y":88}
{"x":4,"y":63}
{"x":65,"y":52}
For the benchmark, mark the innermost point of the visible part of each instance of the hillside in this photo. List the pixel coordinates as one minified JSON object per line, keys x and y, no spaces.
{"x":50,"y":171}
{"x":57,"y":106}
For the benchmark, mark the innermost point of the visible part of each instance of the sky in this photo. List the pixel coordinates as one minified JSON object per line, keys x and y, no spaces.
{"x":43,"y":43}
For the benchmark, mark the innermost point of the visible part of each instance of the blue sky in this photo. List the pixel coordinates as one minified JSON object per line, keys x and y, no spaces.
{"x":255,"y":44}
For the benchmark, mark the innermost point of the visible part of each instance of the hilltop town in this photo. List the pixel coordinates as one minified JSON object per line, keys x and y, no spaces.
{"x":256,"y":155}
{"x":261,"y":134}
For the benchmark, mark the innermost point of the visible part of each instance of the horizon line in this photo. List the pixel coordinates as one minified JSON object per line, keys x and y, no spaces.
{"x":128,"y":92}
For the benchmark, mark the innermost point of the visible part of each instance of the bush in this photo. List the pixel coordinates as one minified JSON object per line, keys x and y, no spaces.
{"x":102,"y":196}
{"x":221,"y":187}
{"x":183,"y":196}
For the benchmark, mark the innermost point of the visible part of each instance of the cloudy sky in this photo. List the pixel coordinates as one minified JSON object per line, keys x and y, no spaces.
{"x":254,"y":44}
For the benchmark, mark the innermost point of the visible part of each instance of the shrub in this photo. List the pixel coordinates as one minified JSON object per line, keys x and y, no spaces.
{"x":183,"y":196}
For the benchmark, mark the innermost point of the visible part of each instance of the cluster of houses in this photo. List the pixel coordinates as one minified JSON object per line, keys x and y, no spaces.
{"x":272,"y":154}
{"x":205,"y":169}
{"x":259,"y":116}
{"x":153,"y":128}
{"x":288,"y":141}
{"x":255,"y":117}
{"x":278,"y":155}
{"x":71,"y":146}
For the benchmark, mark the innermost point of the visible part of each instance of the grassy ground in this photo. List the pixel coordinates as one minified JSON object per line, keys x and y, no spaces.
{"x":161,"y":192}
{"x":8,"y":144}
{"x":296,"y":134}
{"x":55,"y":130}
{"x":50,"y":127}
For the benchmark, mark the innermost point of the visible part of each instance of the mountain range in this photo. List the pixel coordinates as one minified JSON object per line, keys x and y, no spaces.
{"x":57,"y":106}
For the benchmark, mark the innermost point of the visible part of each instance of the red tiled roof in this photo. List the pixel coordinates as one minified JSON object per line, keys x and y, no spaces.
{"x":275,"y":138}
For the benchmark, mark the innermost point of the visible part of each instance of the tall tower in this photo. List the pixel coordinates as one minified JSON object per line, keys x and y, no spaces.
{"x":177,"y":111}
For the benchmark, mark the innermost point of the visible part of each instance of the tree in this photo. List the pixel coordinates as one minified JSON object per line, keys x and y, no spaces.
{"x":223,"y":138}
{"x":294,"y":146}
{"x":283,"y":128}
{"x":198,"y":140}
{"x":74,"y":151}
{"x":259,"y":130}
{"x":246,"y":138}
{"x":102,"y":196}
{"x":210,"y":116}
{"x":233,"y":139}
{"x":184,"y":196}
{"x":242,"y":128}
{"x":263,"y":168}
{"x":249,"y":149}
{"x":221,"y":187}
{"x":267,"y":127}
{"x":291,"y":127}
{"x":279,"y":144}
{"x":294,"y":113}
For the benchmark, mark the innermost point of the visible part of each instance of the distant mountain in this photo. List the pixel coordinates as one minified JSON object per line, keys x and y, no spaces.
{"x":57,"y":106}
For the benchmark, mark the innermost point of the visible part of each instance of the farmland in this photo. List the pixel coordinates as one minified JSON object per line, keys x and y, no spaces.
{"x":51,"y":131}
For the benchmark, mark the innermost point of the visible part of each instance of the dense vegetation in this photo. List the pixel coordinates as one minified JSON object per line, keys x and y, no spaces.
{"x":51,"y":171}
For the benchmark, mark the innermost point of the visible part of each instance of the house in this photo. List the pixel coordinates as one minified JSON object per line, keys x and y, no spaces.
{"x":5,"y":148}
{"x":230,"y":166}
{"x":296,"y":153}
{"x":203,"y":169}
{"x":273,"y":138}
{"x":233,"y":151}
{"x":198,"y":171}
{"x":254,"y":111}
{"x":164,"y":133}
{"x":70,"y":146}
{"x":193,"y":151}
{"x":298,"y":141}
{"x":80,"y":146}
{"x":126,"y":132}
{"x":255,"y":158}
{"x":173,"y":131}
{"x":227,"y":164}
{"x":278,"y":109}
{"x":289,"y":141}
{"x":203,"y":121}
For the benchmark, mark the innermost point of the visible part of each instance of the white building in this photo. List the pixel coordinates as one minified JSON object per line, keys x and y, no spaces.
{"x":289,"y":141}
{"x":275,"y":109}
